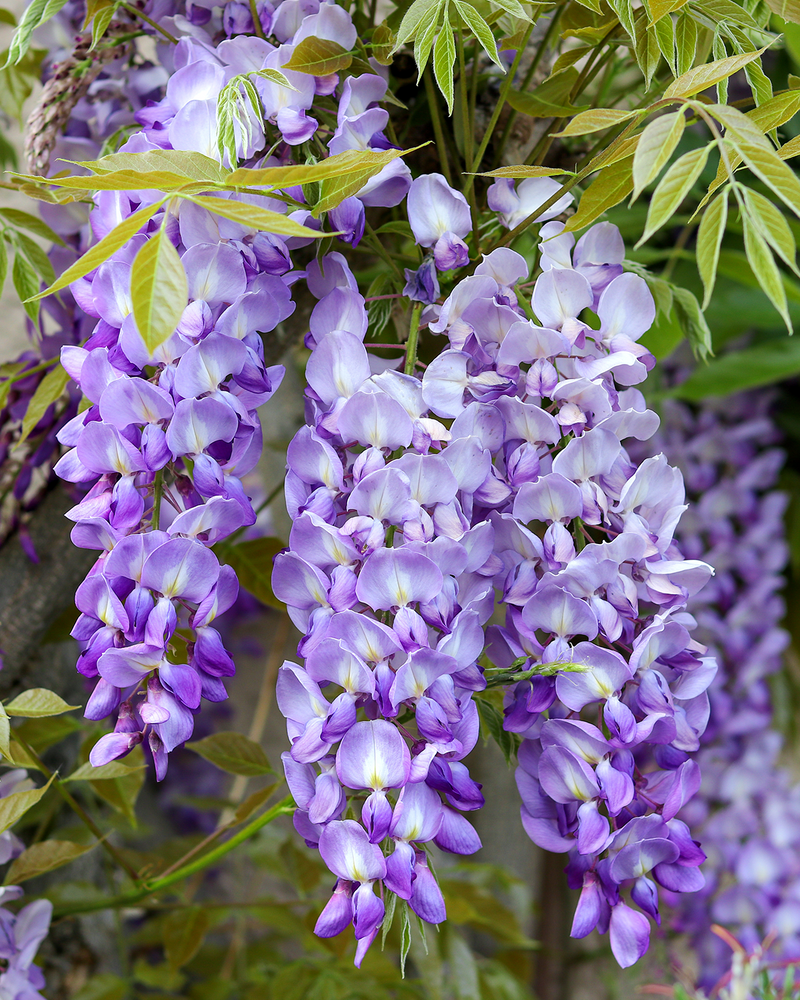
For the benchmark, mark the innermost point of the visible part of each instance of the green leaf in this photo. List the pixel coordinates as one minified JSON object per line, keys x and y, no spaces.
{"x":341,"y":164}
{"x":673,"y":189}
{"x":444,"y":58}
{"x":38,"y":702}
{"x":776,"y":111}
{"x":184,"y":933}
{"x":419,"y":13}
{"x":14,"y":806}
{"x":26,"y":285}
{"x":37,"y":13}
{"x":760,"y":258}
{"x":3,"y":263}
{"x":614,"y":183}
{"x":234,"y":753}
{"x":159,"y":290}
{"x":101,"y":251}
{"x":595,"y":120}
{"x":702,"y":77}
{"x":424,"y":41}
{"x":252,"y":561}
{"x":685,"y":43}
{"x":480,"y":29}
{"x":514,"y":8}
{"x":768,"y":362}
{"x":772,"y":225}
{"x":47,"y":392}
{"x":124,"y":180}
{"x":691,"y":321}
{"x":24,"y":220}
{"x":43,"y":857}
{"x":382,"y":43}
{"x":718,"y":11}
{"x":664,"y":30}
{"x":102,"y":986}
{"x":5,"y":733}
{"x":789,"y":10}
{"x":709,"y":240}
{"x":318,"y":57}
{"x":656,"y":146}
{"x":624,"y":11}
{"x":100,"y":24}
{"x":648,"y":53}
{"x":114,"y":769}
{"x":492,"y":719}
{"x":36,"y":257}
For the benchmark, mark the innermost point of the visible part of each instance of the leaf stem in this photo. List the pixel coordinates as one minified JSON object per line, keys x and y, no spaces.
{"x":158,"y":491}
{"x":257,"y":25}
{"x":282,"y":808}
{"x":436,"y":121}
{"x":413,"y":339}
{"x":19,"y":376}
{"x":501,"y":100}
{"x":379,"y":248}
{"x":148,"y":20}
{"x":466,"y":123}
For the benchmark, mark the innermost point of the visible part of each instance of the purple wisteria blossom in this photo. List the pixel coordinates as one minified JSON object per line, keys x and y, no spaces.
{"x":748,"y":806}
{"x":421,"y":504}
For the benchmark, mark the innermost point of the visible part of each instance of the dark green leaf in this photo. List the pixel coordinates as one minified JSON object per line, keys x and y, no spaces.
{"x":14,"y":806}
{"x":44,"y":857}
{"x":493,"y":721}
{"x":24,"y":220}
{"x":184,"y":933}
{"x":26,"y":284}
{"x":234,"y":753}
{"x":48,"y":391}
{"x":252,"y":560}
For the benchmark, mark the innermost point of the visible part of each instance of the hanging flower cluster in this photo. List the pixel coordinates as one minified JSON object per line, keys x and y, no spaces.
{"x":748,"y":806}
{"x":415,"y":502}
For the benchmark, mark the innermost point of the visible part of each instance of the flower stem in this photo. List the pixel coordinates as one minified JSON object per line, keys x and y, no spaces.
{"x":148,"y":20}
{"x":413,"y":339}
{"x":436,"y":121}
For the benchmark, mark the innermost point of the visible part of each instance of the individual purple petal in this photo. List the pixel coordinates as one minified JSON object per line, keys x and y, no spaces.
{"x":373,"y":755}
{"x":629,"y":934}
{"x":181,"y":568}
{"x":346,"y":850}
{"x":394,"y":578}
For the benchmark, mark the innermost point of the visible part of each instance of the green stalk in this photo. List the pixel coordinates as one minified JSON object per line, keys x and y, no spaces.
{"x":487,"y":136}
{"x":281,"y":808}
{"x":551,"y":27}
{"x":378,"y":247}
{"x":413,"y":339}
{"x":466,"y":123}
{"x":259,"y":29}
{"x":142,"y":16}
{"x":158,"y":492}
{"x":436,"y":121}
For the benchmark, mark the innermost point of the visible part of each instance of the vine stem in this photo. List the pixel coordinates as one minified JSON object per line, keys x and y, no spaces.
{"x":436,"y":121}
{"x":282,"y":808}
{"x":78,"y":809}
{"x":501,"y":100}
{"x":148,"y":20}
{"x":413,"y":339}
{"x":158,"y":492}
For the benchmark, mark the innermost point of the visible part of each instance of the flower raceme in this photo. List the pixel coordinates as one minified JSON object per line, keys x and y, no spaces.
{"x":420,"y":505}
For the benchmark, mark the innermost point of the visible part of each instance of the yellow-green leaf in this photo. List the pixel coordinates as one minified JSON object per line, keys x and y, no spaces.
{"x":444,"y":58}
{"x":44,"y":857}
{"x":789,"y":10}
{"x":523,"y":170}
{"x":760,"y":258}
{"x":318,"y":57}
{"x":47,"y":392}
{"x":234,"y":753}
{"x":159,"y":290}
{"x":673,"y":188}
{"x":38,"y":702}
{"x":659,"y":8}
{"x":24,"y":220}
{"x":595,"y":120}
{"x":772,"y":225}
{"x":101,"y":251}
{"x":121,"y":793}
{"x":253,"y":217}
{"x":685,"y":42}
{"x":304,"y":173}
{"x":771,"y":169}
{"x":614,"y":183}
{"x":417,"y":13}
{"x":334,"y":189}
{"x":702,"y":77}
{"x":5,"y":733}
{"x":709,"y":239}
{"x":252,"y":803}
{"x":125,"y":180}
{"x":14,"y":806}
{"x":656,"y":146}
{"x":192,"y":166}
{"x":382,"y":43}
{"x":480,"y":29}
